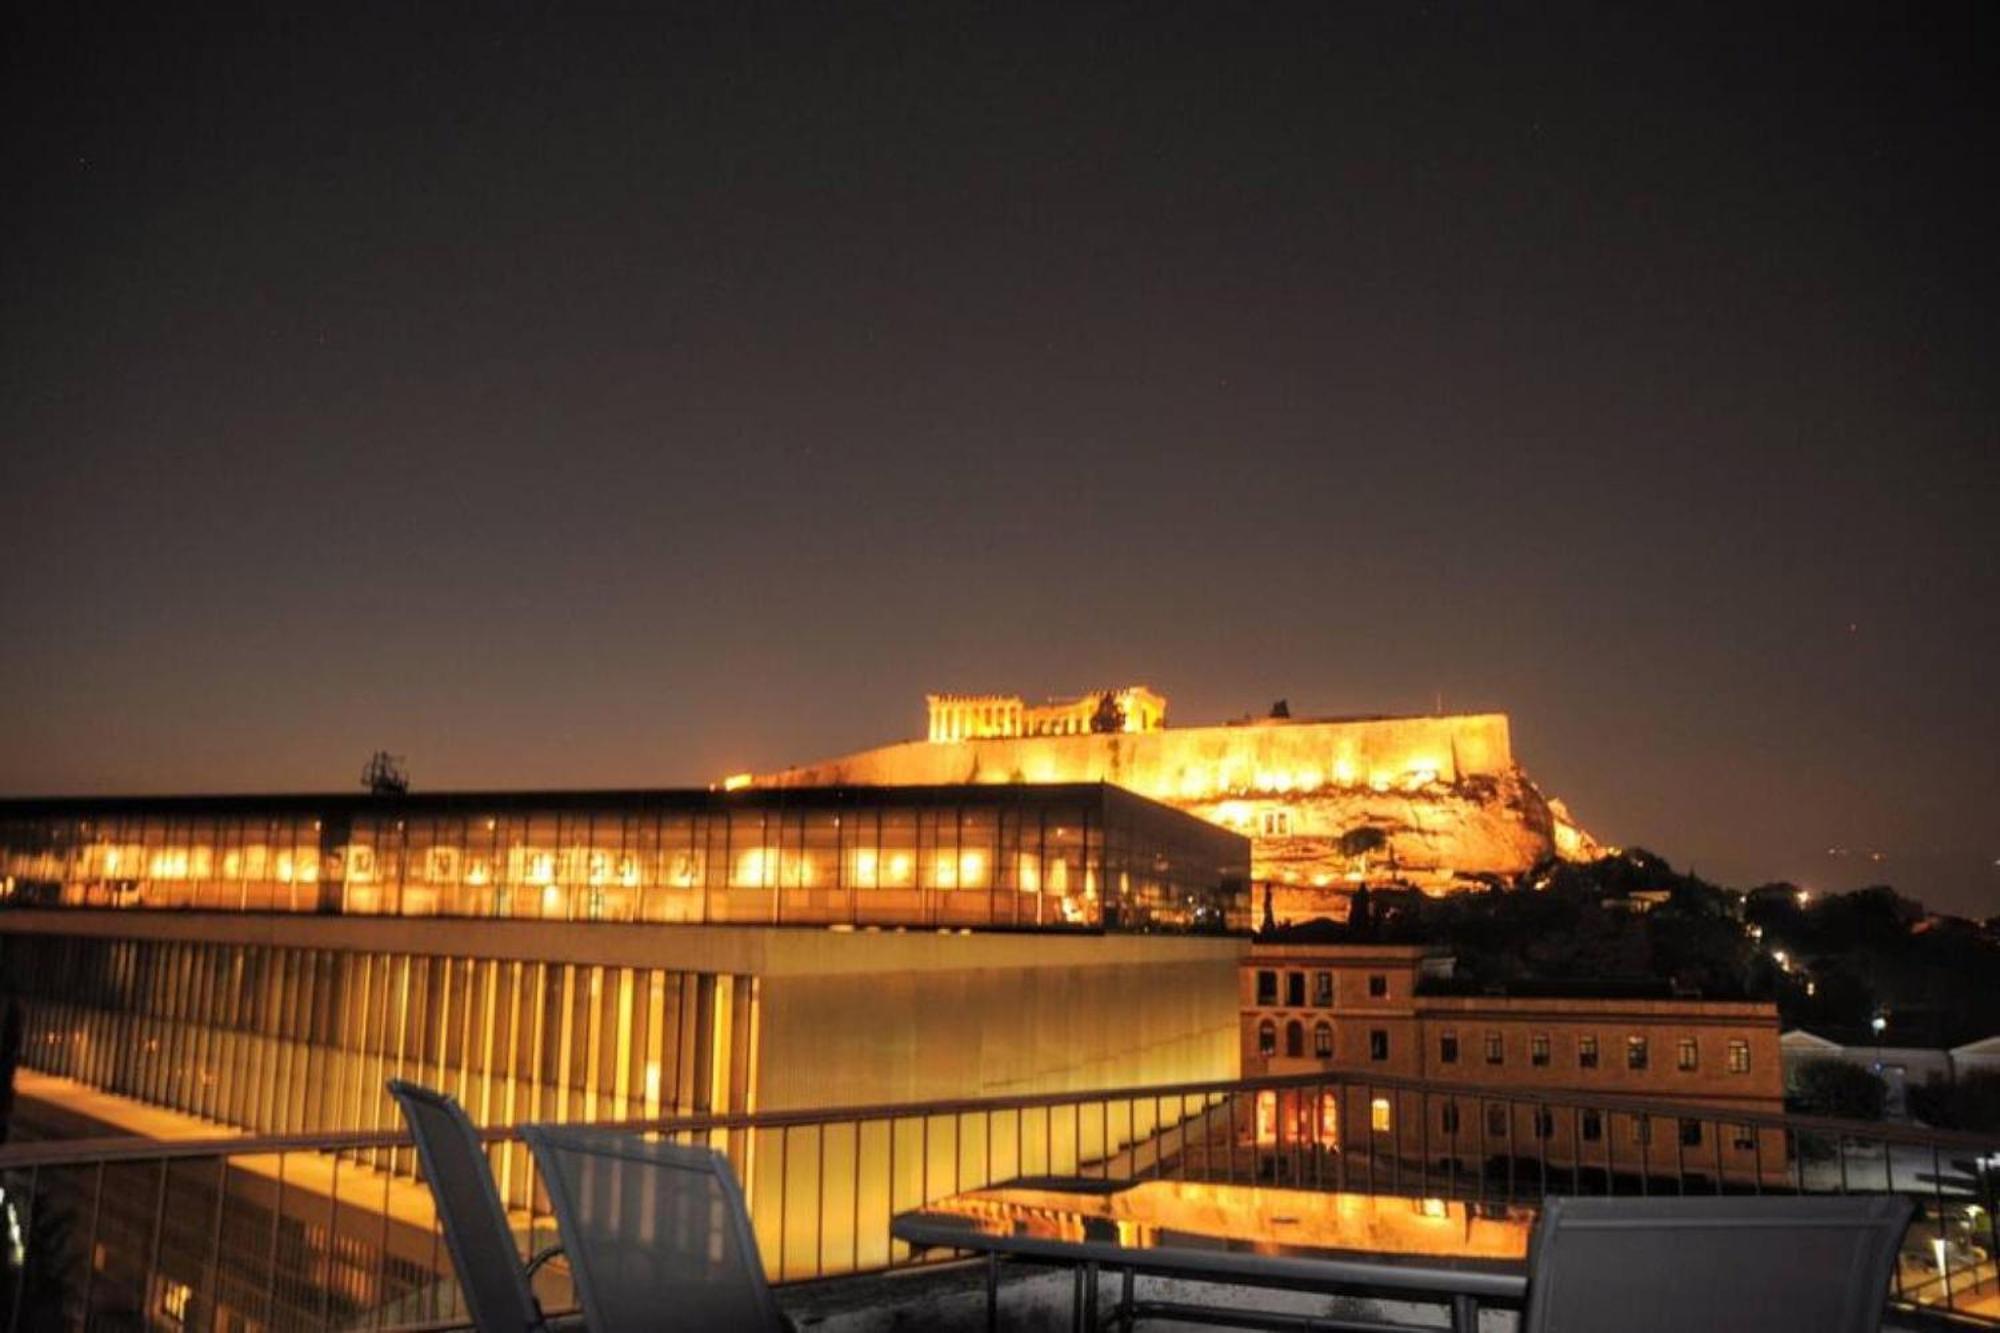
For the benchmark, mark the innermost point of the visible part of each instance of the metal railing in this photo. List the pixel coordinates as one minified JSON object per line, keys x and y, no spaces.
{"x":334,"y":1230}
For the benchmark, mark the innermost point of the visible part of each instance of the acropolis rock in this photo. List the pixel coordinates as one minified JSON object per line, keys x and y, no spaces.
{"x":1447,"y":805}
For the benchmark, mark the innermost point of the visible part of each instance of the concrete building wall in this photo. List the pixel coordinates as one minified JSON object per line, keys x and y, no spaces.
{"x":1004,"y":1027}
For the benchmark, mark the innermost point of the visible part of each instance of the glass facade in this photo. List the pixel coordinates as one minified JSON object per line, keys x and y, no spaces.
{"x":285,"y":1040}
{"x":1082,"y":856}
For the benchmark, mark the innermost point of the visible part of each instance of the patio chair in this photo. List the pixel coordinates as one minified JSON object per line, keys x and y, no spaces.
{"x":1772,"y":1265}
{"x":498,"y":1288}
{"x":656,"y":1234}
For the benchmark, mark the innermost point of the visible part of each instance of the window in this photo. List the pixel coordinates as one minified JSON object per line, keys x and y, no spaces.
{"x":1690,"y":1133}
{"x":1591,"y":1125}
{"x":1739,"y":1056}
{"x":1538,"y":1049}
{"x":1275,"y":824}
{"x":1742,"y":1138}
{"x":1267,"y":988}
{"x":1545,"y":1123}
{"x":1495,"y":1051}
{"x":1496,"y":1122}
{"x":1323,"y":1040}
{"x":1448,"y":1048}
{"x":1449,"y":1120}
{"x":1378,"y":1115}
{"x":1378,"y":1044}
{"x":1267,"y":1038}
{"x":1635,"y":1052}
{"x":1295,"y":1039}
{"x":1586,"y":1052}
{"x":1642,"y":1130}
{"x":1687,"y":1054}
{"x":1295,"y":990}
{"x":1378,"y":985}
{"x":1323,"y":990}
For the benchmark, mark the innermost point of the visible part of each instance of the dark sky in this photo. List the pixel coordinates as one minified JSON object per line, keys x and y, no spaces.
{"x":567,"y":401}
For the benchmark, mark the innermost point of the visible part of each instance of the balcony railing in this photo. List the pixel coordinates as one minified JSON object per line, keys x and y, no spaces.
{"x":335,"y":1231}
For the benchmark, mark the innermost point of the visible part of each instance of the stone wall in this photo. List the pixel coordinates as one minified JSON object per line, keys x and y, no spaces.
{"x":1444,"y":792}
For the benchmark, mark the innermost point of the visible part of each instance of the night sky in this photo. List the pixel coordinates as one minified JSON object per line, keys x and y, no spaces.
{"x":561,"y":401}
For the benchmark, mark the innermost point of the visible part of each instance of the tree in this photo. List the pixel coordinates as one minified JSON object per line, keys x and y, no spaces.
{"x":1838,"y":1089}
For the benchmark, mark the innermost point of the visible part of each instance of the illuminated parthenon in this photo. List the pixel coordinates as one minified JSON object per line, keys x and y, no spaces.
{"x":963,"y":717}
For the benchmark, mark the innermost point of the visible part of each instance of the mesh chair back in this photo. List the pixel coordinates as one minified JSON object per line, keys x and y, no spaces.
{"x":1814,"y":1265}
{"x":656,"y":1233}
{"x":483,"y":1254}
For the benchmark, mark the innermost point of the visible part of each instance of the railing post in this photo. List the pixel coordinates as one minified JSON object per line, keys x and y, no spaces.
{"x":332,"y":1244}
{"x":382,"y":1245}
{"x":1944,"y":1232}
{"x":785,"y":1191}
{"x":90,"y":1243}
{"x":159,"y":1225}
{"x":28,"y":1221}
{"x":854,"y":1232}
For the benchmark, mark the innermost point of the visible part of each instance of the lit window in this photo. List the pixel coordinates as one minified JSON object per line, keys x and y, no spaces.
{"x":1267,"y":1116}
{"x":1742,"y":1139}
{"x":1323,"y":1040}
{"x":1538,"y":1049}
{"x":1635,"y":1052}
{"x":1329,"y":1120}
{"x":1378,"y":1115}
{"x":1495,"y":1049}
{"x":174,"y":1298}
{"x":1739,"y":1057}
{"x":1586,"y":1052}
{"x":1275,"y":824}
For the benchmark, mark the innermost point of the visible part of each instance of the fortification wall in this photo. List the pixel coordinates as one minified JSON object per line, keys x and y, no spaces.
{"x":1191,"y":763}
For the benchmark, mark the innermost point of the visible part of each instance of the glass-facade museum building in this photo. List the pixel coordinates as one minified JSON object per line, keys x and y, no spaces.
{"x":267,"y":962}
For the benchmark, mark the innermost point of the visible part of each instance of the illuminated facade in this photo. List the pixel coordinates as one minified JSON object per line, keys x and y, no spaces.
{"x":1435,"y":802}
{"x":1086,"y":856}
{"x":1393,"y":1012}
{"x":958,"y":717}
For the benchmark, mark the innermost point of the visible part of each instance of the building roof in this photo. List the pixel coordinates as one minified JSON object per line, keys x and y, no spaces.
{"x":678,"y":798}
